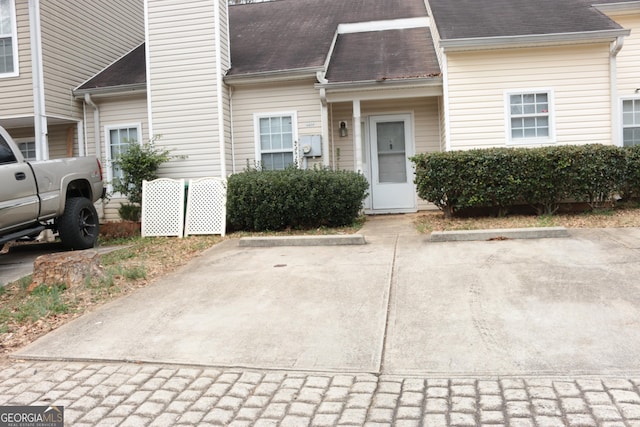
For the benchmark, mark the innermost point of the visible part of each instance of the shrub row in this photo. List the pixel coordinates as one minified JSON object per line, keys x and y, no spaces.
{"x":541,"y":177}
{"x":294,"y":198}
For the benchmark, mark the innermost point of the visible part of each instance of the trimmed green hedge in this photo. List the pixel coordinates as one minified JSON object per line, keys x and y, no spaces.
{"x":541,"y":177}
{"x":294,"y":198}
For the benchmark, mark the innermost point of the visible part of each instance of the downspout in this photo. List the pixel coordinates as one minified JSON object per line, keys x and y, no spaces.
{"x":221,"y":124}
{"x":96,"y":124}
{"x":39,"y":112}
{"x":445,"y":102}
{"x":233,"y":142}
{"x":616,"y":46}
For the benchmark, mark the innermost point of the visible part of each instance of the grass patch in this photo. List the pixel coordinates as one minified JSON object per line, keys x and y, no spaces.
{"x":623,"y":215}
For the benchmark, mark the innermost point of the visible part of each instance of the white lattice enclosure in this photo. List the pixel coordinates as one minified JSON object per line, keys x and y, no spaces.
{"x":163,"y":207}
{"x":206,"y":206}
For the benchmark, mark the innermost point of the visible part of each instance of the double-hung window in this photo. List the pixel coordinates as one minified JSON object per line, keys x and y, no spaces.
{"x":27,"y":148}
{"x":8,"y":39}
{"x":530,"y":116}
{"x":119,"y":138}
{"x":275,"y":140}
{"x":631,"y":122}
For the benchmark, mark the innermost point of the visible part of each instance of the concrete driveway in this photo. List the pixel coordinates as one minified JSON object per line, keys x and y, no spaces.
{"x":18,"y":262}
{"x":398,"y":305}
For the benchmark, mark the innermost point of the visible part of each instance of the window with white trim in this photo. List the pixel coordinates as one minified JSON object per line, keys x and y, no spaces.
{"x":28,"y":149}
{"x":529,"y":116}
{"x":275,"y":140}
{"x":630,"y":122}
{"x":119,"y":138}
{"x":8,"y":39}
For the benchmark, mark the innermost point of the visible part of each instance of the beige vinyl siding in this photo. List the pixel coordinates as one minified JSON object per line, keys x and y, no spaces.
{"x":123,"y":110}
{"x":79,"y":39}
{"x":183,"y":84}
{"x":577,"y":75}
{"x":426,"y":127}
{"x":299,"y":97}
{"x":628,"y":60}
{"x":17,"y":92}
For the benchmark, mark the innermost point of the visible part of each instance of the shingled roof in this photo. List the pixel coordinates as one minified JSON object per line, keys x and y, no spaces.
{"x":383,"y":55}
{"x":297,"y":34}
{"x":130,"y":70}
{"x":285,"y":35}
{"x":463,"y":19}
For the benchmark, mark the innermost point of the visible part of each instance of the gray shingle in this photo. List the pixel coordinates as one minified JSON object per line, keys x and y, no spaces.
{"x":460,"y":19}
{"x":383,"y":55}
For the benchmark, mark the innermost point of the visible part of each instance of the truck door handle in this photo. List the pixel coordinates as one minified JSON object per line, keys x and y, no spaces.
{"x":21,"y":176}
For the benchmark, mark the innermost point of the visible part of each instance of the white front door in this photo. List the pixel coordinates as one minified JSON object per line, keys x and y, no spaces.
{"x":391,"y":176}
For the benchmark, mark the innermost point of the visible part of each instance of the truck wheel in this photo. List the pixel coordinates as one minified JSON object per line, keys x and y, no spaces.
{"x":79,"y":226}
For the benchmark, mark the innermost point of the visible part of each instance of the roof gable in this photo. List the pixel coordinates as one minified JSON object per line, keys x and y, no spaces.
{"x":126,"y":71}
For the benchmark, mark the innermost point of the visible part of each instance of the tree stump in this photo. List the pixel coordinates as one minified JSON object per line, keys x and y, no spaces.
{"x":69,"y":268}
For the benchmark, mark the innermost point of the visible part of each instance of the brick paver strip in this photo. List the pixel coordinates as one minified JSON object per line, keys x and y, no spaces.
{"x":104,"y":394}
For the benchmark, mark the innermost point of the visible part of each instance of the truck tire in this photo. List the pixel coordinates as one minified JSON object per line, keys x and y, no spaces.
{"x":79,"y":226}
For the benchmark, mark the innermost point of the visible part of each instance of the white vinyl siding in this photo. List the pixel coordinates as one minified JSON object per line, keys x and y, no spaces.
{"x":628,"y":59}
{"x":579,"y":76}
{"x":275,"y":140}
{"x":183,"y":85}
{"x":275,"y":99}
{"x":8,"y":39}
{"x":529,"y":116}
{"x":79,"y":41}
{"x":631,"y":122}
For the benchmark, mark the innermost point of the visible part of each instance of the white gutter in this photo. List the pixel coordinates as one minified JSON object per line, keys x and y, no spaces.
{"x":445,"y":102}
{"x":96,"y":124}
{"x":233,"y":139}
{"x":616,"y":46}
{"x":39,"y":112}
{"x":483,"y":43}
{"x":273,"y":76}
{"x":219,"y":77}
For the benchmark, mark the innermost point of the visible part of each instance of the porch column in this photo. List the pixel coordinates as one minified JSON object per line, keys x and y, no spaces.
{"x":357,"y":136}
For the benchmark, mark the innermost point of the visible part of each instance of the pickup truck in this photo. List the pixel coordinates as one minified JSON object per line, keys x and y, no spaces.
{"x":53,"y":194}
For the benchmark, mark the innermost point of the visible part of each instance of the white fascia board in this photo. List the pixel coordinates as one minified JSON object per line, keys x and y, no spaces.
{"x":629,"y":6}
{"x":504,"y":42}
{"x":391,"y":24}
{"x":347,"y":94}
{"x":111,"y":90}
{"x":273,"y":76}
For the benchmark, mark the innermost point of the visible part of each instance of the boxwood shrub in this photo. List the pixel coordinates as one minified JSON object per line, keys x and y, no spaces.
{"x":294,"y":198}
{"x":541,"y":177}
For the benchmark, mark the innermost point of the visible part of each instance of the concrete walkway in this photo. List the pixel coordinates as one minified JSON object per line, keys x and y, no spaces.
{"x":400,"y":331}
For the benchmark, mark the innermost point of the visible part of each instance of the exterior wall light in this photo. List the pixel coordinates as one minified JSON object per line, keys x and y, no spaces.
{"x":343,"y":129}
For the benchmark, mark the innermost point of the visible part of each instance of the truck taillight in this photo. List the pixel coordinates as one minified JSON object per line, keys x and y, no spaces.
{"x":99,"y":168}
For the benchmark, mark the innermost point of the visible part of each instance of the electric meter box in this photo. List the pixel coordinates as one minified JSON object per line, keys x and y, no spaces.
{"x":311,"y":145}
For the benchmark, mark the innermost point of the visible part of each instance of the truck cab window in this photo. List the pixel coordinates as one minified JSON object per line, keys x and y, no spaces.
{"x":6,"y":155}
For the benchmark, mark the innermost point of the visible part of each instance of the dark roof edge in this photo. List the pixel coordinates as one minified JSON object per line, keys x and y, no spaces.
{"x":503,"y":42}
{"x":273,"y":76}
{"x":390,"y":84}
{"x":111,"y":90}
